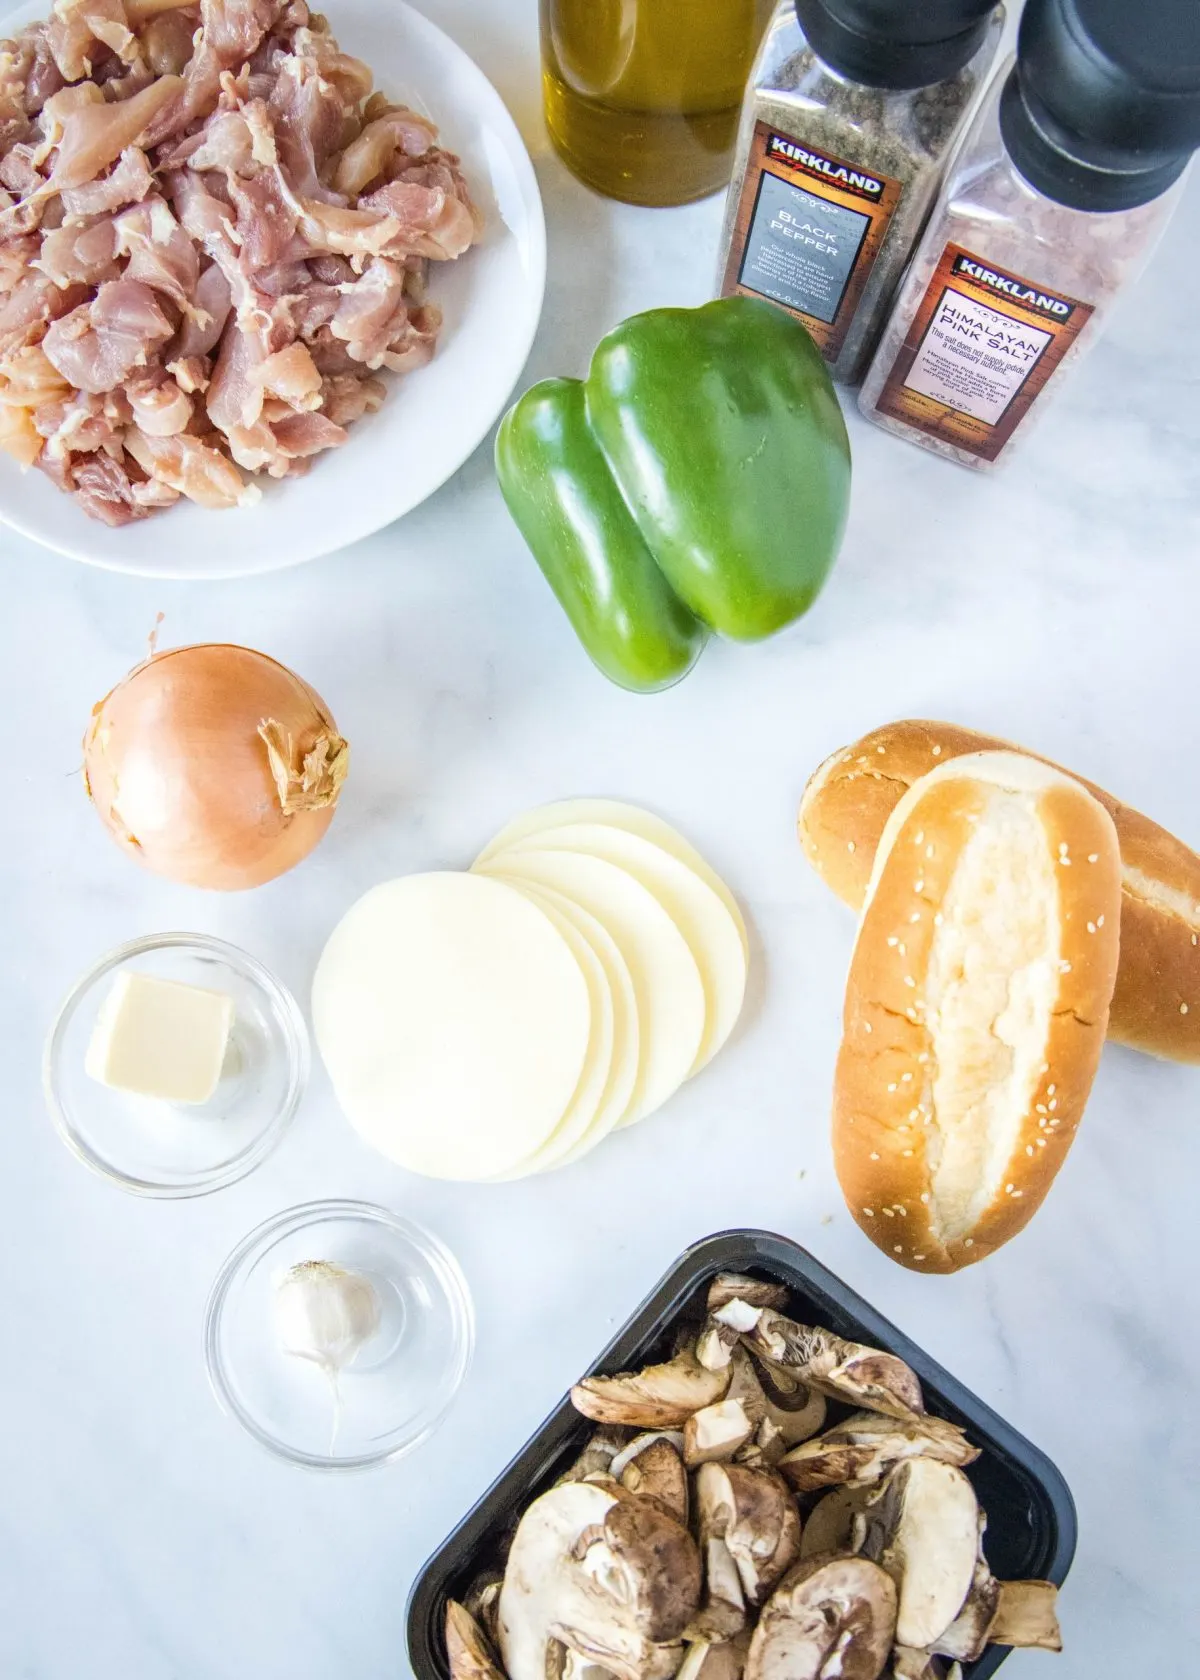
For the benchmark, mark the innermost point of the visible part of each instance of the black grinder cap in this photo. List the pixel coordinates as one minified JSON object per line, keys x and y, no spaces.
{"x":895,"y":43}
{"x":1102,"y":111}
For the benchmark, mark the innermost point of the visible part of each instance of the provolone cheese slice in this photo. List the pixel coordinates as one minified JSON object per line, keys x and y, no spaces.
{"x":454,"y":1021}
{"x":597,"y":1066}
{"x":713,"y":937}
{"x":666,"y":980}
{"x":623,"y":1072}
{"x":616,"y":814}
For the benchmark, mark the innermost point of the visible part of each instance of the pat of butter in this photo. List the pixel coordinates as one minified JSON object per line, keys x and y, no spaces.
{"x":160,"y":1038}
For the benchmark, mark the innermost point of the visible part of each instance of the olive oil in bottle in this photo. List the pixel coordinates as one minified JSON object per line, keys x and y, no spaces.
{"x":642,"y":96}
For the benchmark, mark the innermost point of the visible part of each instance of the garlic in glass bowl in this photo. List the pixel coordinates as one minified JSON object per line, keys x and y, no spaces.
{"x":339,"y":1312}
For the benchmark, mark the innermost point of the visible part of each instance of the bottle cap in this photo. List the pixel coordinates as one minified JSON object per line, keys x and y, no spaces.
{"x":895,"y":43}
{"x":1102,"y":111}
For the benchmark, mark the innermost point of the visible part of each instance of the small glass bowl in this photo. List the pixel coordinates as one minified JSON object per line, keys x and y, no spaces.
{"x":156,"y":1148}
{"x":400,"y":1385}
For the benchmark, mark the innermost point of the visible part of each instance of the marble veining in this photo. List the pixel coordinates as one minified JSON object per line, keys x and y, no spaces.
{"x":143,"y":1536}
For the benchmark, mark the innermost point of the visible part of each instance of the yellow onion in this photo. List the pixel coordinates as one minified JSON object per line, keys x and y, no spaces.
{"x":214,"y":765}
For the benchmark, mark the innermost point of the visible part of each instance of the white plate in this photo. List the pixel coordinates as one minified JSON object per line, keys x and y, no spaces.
{"x":432,"y":420}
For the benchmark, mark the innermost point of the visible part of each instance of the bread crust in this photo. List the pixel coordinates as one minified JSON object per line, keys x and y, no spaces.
{"x":1156,"y":1004}
{"x":884,"y":1115}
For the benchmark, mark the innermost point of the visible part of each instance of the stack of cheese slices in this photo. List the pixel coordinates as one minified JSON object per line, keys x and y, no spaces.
{"x":496,"y":1023}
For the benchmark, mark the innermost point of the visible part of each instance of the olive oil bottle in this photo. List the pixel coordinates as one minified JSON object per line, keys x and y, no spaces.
{"x":642,"y":96}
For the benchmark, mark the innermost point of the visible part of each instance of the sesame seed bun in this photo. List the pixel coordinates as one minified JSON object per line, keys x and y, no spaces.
{"x":1156,"y":1005}
{"x":976,"y":1006}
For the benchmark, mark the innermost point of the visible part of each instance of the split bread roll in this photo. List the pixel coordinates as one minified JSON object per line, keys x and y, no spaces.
{"x":1156,"y":1005}
{"x":976,"y":1006}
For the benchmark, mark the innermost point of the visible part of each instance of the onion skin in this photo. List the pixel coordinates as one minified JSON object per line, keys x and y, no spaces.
{"x":187,"y":763}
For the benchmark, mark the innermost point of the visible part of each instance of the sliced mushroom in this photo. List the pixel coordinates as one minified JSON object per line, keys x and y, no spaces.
{"x":756,"y":1517}
{"x":736,"y":1286}
{"x":715,"y":1432}
{"x":722,"y":1615}
{"x":467,"y":1649}
{"x":715,"y":1345}
{"x":575,"y":1667}
{"x":763,"y":1450}
{"x":780,"y":1416}
{"x":482,"y":1600}
{"x":598,"y":1456}
{"x":739,"y":1315}
{"x":827,"y":1617}
{"x":1017,"y":1613}
{"x":635,"y":1444}
{"x":656,"y":1398}
{"x":796,"y":1411}
{"x":847,"y":1370}
{"x":923,"y":1527}
{"x":746,"y":1385}
{"x":863,"y":1448}
{"x":1027,"y":1615}
{"x":609,"y":1575}
{"x":967,"y":1635}
{"x":710,"y":1660}
{"x":657,"y":1473}
{"x":829,"y":1526}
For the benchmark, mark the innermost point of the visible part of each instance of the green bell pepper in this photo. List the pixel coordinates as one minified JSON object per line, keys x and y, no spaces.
{"x":697,"y":479}
{"x":570,"y":512}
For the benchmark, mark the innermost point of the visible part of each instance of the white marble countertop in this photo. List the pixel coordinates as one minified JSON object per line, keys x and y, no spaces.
{"x":144,"y":1537}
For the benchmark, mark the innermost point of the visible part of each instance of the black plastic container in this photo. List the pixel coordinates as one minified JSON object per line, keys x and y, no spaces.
{"x":1031,"y":1515}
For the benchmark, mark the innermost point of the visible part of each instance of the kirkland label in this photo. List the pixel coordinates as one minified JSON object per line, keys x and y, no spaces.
{"x":808,"y":228}
{"x":979,"y":351}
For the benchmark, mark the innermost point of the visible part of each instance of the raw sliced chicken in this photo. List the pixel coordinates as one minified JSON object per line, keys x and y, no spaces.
{"x":84,"y":251}
{"x":79,"y":30}
{"x":191,"y":373}
{"x":299,"y":435}
{"x":308,"y":114}
{"x":102,"y":488}
{"x":431,"y":221}
{"x":372,"y":312}
{"x":127,"y":182}
{"x":95,"y":135}
{"x":235,"y":396}
{"x":98,"y":345}
{"x":31,"y":303}
{"x":17,"y":256}
{"x":28,"y":77}
{"x":223,"y":143}
{"x":29,"y":378}
{"x":159,"y":407}
{"x":265,"y":223}
{"x":80,"y":425}
{"x":160,"y":253}
{"x":18,"y":171}
{"x":347,"y":233}
{"x":345,"y":398}
{"x":168,"y":40}
{"x":212,"y":233}
{"x":375,"y":149}
{"x":183,"y":463}
{"x":19,"y":436}
{"x":212,"y":304}
{"x":291,"y":375}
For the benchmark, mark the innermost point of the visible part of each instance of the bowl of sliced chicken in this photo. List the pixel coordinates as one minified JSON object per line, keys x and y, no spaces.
{"x":263,"y":288}
{"x":760,"y":1480}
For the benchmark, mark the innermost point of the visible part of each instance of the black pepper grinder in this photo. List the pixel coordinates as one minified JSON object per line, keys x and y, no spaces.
{"x":852,"y":112}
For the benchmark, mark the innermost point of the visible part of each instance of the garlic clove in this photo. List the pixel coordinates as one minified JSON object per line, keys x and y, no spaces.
{"x":325,"y":1313}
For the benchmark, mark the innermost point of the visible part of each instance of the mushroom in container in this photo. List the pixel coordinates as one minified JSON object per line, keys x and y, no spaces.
{"x":603,"y":1572}
{"x":707,"y":1531}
